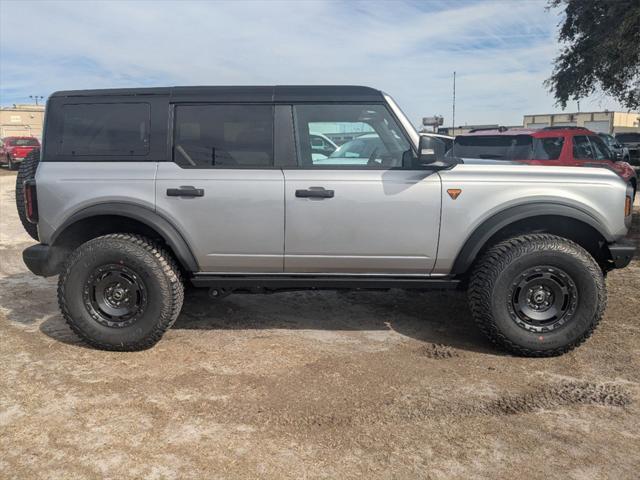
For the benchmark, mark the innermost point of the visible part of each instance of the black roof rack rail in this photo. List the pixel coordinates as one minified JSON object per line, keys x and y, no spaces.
{"x":483,"y":129}
{"x":560,"y":127}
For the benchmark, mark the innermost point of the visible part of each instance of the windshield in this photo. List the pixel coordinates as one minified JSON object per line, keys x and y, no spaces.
{"x":508,"y":147}
{"x":628,"y":137}
{"x":25,"y":142}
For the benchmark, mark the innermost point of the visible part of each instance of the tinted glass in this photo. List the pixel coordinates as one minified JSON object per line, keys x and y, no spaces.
{"x":321,"y":145}
{"x":499,"y":147}
{"x":600,"y":150}
{"x":223,"y":136}
{"x":25,"y":142}
{"x":105,"y":129}
{"x":367,"y":135}
{"x":582,"y":148}
{"x":548,"y":148}
{"x":607,"y":139}
{"x":628,"y":137}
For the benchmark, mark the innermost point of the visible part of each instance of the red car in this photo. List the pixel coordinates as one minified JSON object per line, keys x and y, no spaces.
{"x":14,"y":149}
{"x":568,"y":146}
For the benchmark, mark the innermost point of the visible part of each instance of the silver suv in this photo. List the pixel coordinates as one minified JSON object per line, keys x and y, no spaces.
{"x":139,"y":191}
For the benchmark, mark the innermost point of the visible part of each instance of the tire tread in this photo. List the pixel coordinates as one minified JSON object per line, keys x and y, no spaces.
{"x":168,"y":267}
{"x":502,"y":254}
{"x":27,"y":171}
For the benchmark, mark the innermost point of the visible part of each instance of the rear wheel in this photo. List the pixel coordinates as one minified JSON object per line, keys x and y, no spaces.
{"x":537,"y":295}
{"x":120,"y":292}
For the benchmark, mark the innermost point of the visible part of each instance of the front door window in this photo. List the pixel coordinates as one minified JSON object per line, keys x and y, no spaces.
{"x":360,"y":136}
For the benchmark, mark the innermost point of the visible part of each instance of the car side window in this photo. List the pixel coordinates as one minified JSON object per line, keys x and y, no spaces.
{"x":547,"y":148}
{"x":600,"y":150}
{"x":582,"y":148}
{"x":105,"y":129}
{"x":223,"y":136}
{"x":375,"y":139}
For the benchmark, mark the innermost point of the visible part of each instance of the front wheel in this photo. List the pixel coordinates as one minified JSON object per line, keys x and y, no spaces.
{"x":537,"y":295}
{"x":120,"y":292}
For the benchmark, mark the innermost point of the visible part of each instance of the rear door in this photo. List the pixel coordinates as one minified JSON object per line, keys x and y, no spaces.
{"x":221,"y":189}
{"x":362,"y":209}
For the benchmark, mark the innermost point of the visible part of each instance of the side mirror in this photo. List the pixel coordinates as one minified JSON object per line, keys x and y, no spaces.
{"x":431,"y":153}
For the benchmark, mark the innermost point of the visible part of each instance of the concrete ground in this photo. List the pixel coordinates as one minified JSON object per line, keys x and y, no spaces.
{"x":386,"y":385}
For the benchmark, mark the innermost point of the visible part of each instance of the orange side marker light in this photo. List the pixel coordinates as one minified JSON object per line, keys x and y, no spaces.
{"x":454,"y":192}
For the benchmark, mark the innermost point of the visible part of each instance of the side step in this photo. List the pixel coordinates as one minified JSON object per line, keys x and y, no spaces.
{"x":329,"y":282}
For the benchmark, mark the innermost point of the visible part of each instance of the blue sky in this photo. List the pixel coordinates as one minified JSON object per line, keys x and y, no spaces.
{"x":502,"y":50}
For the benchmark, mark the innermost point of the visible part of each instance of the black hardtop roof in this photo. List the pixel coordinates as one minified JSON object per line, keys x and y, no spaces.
{"x":278,"y":93}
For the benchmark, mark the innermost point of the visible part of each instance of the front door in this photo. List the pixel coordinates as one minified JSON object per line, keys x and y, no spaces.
{"x":361,"y":209}
{"x":222,"y":191}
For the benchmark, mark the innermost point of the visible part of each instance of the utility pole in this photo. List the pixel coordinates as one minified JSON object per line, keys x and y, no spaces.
{"x":36,"y":98}
{"x":453,"y":114}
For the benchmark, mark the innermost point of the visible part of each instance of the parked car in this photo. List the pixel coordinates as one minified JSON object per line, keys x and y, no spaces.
{"x":14,"y":149}
{"x":367,"y":149}
{"x":631,"y":140}
{"x":141,"y":190}
{"x":559,"y":146}
{"x":620,"y":152}
{"x":321,"y":145}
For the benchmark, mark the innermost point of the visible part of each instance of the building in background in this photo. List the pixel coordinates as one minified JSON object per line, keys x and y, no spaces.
{"x":22,"y":121}
{"x":601,"y":122}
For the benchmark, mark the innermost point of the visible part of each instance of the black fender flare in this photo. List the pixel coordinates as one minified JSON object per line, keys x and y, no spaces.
{"x":143,"y":215}
{"x":504,"y":218}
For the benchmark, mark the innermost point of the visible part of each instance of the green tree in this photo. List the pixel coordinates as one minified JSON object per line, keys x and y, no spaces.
{"x":600,"y":53}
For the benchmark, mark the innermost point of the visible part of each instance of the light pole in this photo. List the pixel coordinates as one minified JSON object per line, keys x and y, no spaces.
{"x":36,"y":98}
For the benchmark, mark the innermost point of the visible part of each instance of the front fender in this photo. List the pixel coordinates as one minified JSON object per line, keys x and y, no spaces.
{"x":502,"y":219}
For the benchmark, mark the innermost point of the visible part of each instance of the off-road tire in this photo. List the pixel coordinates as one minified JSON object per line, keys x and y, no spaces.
{"x":157,"y":272}
{"x":27,"y":171}
{"x":501,"y":266}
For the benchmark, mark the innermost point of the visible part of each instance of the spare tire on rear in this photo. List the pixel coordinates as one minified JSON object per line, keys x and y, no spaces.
{"x":26,"y":172}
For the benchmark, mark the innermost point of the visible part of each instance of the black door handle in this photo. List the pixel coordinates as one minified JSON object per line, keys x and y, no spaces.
{"x":185,"y":191}
{"x":315,"y":192}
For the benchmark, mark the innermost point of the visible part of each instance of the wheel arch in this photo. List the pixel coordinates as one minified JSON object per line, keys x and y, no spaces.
{"x":116,"y":217}
{"x":558,"y":219}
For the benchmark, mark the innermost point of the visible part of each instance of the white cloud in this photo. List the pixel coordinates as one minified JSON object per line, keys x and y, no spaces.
{"x":501,"y":50}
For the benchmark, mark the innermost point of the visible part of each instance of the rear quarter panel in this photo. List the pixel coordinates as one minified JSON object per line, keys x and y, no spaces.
{"x":488,"y":189}
{"x":65,"y":188}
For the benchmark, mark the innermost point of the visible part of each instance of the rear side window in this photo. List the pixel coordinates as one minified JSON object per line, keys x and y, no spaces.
{"x":105,"y":129}
{"x":223,"y":136}
{"x":548,"y":148}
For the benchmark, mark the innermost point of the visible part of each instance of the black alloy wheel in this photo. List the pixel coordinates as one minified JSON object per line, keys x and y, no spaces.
{"x":115,"y":295}
{"x":542,"y":299}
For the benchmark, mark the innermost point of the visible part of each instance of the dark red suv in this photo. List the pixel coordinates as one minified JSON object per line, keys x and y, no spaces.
{"x":567,"y":146}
